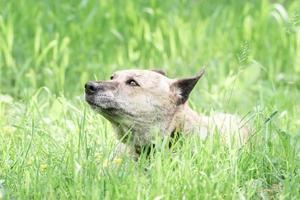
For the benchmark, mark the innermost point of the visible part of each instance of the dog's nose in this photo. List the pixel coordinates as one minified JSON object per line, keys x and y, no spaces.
{"x":90,"y":87}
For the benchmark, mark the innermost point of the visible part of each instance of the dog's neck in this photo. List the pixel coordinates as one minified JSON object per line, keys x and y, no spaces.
{"x":184,"y":119}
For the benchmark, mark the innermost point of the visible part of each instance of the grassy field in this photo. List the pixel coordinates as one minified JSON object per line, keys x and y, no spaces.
{"x":52,"y":146}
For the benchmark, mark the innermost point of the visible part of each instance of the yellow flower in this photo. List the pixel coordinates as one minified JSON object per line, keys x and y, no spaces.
{"x":30,"y":161}
{"x":105,"y":163}
{"x":117,"y":161}
{"x":43,"y":167}
{"x":98,"y":157}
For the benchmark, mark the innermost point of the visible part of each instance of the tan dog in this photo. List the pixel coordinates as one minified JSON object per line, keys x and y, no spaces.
{"x":144,"y":102}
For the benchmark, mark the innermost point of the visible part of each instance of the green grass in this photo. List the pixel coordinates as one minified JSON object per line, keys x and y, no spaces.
{"x":52,"y":146}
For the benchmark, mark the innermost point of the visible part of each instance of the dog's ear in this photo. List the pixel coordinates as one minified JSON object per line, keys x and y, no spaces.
{"x":159,"y":71}
{"x":183,"y":87}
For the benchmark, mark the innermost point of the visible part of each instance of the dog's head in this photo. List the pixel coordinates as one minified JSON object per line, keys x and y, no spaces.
{"x":139,"y":96}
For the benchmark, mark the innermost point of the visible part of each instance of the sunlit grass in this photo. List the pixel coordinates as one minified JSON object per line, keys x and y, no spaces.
{"x":52,"y":146}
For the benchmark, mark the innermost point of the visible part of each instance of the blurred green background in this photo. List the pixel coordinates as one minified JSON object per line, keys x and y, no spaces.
{"x":50,"y":49}
{"x":62,"y":44}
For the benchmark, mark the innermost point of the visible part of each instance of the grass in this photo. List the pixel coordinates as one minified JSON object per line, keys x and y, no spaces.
{"x":52,"y":146}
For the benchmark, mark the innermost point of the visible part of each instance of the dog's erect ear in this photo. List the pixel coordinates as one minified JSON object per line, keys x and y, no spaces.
{"x":183,"y":87}
{"x":159,"y":71}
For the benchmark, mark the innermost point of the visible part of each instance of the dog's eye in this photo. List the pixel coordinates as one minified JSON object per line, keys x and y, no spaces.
{"x":132,"y":82}
{"x":112,"y":77}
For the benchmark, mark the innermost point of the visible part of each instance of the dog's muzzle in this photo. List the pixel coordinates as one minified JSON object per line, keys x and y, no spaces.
{"x":90,"y":88}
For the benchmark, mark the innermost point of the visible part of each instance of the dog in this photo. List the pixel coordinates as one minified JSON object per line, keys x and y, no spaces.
{"x":144,"y":102}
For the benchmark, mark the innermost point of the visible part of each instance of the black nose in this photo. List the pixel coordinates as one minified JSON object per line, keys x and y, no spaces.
{"x":90,"y":87}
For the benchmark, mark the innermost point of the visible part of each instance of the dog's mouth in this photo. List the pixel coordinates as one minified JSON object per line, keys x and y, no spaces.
{"x":104,"y":103}
{"x":93,"y":105}
{"x":90,"y":101}
{"x":106,"y":106}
